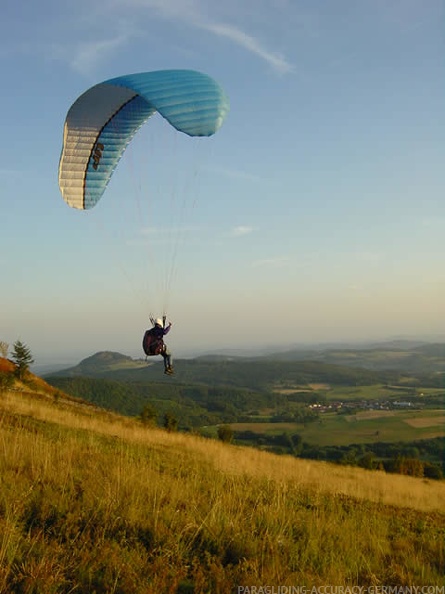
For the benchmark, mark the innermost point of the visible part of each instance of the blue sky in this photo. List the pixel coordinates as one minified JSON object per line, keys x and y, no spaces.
{"x":315,"y":214}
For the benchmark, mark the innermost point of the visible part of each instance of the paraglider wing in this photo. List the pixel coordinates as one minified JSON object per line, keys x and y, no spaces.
{"x":102,"y":121}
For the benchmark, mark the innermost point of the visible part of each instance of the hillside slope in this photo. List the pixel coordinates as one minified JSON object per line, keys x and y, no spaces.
{"x":31,"y":381}
{"x":96,"y":502}
{"x":35,"y":387}
{"x":6,"y":366}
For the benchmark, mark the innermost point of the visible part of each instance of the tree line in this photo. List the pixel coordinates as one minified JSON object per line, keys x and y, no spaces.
{"x":419,"y":458}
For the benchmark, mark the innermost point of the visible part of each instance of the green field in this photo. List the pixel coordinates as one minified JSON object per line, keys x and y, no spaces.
{"x":363,"y":427}
{"x":372,"y":392}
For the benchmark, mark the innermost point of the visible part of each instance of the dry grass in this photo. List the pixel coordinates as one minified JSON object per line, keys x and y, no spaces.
{"x":6,"y":366}
{"x":288,"y":391}
{"x":93,"y":502}
{"x":365,"y":415}
{"x":389,"y":489}
{"x":426,"y":421}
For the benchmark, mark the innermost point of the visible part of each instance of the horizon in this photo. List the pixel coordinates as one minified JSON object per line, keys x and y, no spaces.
{"x":74,"y":359}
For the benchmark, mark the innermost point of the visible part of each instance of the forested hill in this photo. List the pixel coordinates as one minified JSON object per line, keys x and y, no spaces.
{"x":103,"y":364}
{"x":250,"y":373}
{"x":402,"y":356}
{"x":398,"y":355}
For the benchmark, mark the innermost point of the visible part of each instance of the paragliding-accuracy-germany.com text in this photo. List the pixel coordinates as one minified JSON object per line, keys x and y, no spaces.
{"x":267,"y":589}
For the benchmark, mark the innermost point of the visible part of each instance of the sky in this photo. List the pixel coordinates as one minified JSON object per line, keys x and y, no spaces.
{"x":316,"y":214}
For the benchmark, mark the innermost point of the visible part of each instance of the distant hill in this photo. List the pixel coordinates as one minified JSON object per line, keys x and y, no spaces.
{"x":432,"y":350}
{"x":247,"y":372}
{"x":384,"y":361}
{"x":102,"y":364}
{"x":406,"y":357}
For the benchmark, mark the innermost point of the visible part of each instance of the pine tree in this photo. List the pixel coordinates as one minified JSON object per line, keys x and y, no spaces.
{"x":22,"y":357}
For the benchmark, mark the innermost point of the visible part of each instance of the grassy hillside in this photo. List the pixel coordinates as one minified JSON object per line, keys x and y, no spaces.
{"x":94,"y":502}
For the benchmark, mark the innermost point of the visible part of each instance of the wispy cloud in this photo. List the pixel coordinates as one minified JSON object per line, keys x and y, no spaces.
{"x":239,"y":37}
{"x":127,"y":20}
{"x":87,"y":56}
{"x":86,"y":53}
{"x":431,"y":222}
{"x":162,"y":235}
{"x":202,"y":15}
{"x":277,"y":262}
{"x":241,"y":230}
{"x":236,"y":174}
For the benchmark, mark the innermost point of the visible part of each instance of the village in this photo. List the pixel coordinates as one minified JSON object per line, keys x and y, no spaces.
{"x":351,"y":406}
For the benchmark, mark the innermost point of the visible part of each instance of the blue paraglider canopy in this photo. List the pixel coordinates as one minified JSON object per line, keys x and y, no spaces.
{"x":102,"y":121}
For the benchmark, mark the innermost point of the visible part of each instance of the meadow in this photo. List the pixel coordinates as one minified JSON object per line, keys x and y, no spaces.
{"x":361,"y":427}
{"x":94,"y":502}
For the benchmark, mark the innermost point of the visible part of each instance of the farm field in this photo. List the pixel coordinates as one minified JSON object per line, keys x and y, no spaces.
{"x":345,"y":393}
{"x":363,"y":427}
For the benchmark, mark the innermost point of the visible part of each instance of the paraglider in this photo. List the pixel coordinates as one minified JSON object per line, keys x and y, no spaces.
{"x":102,"y":122}
{"x":153,"y":342}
